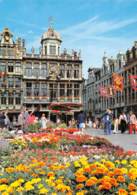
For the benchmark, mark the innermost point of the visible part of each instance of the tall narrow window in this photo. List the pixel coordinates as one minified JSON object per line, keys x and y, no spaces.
{"x":36,"y":89}
{"x":62,"y":71}
{"x":62,"y":90}
{"x":76,"y":90}
{"x":76,"y":71}
{"x":11,"y":99}
{"x":29,"y":89}
{"x":43,"y":72}
{"x":52,"y":50}
{"x":69,"y":71}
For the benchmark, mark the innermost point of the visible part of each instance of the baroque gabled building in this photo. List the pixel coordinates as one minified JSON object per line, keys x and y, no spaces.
{"x":126,"y":100}
{"x":37,"y":79}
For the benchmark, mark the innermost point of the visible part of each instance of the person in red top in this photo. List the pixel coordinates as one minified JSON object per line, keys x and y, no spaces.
{"x":132,"y":122}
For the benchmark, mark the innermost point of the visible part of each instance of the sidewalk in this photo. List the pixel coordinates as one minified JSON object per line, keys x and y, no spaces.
{"x":126,"y":141}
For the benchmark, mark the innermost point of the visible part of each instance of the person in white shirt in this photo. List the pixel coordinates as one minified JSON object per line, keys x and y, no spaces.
{"x":43,"y":121}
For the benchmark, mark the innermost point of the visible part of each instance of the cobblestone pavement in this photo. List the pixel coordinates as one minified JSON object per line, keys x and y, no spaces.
{"x":128,"y":142}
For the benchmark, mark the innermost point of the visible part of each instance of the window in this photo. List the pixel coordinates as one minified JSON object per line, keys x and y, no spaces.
{"x":10,"y":68}
{"x":36,"y":89}
{"x":36,"y":72}
{"x":69,"y":90}
{"x":3,"y":98}
{"x":76,"y":71}
{"x":28,"y":89}
{"x":17,"y":99}
{"x":28,"y":71}
{"x":43,"y":70}
{"x":76,"y":90}
{"x":62,"y":71}
{"x":43,"y":89}
{"x":11,"y":99}
{"x":45,"y":50}
{"x":18,"y":82}
{"x":62,"y":90}
{"x":52,"y":50}
{"x":10,"y":82}
{"x":69,"y":71}
{"x":53,"y":92}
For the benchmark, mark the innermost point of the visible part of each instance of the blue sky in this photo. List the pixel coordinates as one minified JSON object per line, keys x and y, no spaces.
{"x":94,"y":26}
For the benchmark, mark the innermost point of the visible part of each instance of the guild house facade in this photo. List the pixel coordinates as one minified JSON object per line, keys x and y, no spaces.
{"x":37,"y":79}
{"x":125,"y":64}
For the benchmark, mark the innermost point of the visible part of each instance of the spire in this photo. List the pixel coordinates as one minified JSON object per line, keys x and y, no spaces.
{"x":51,"y":22}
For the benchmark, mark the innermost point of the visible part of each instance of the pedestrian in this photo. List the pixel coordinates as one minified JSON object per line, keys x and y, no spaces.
{"x":107,"y":120}
{"x":7,"y":121}
{"x":81,"y":121}
{"x":2,"y":120}
{"x":43,"y":121}
{"x":132,"y":122}
{"x":123,"y":122}
{"x":116,"y":124}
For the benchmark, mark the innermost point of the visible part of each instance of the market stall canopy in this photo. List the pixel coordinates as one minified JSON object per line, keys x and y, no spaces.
{"x":64,"y":106}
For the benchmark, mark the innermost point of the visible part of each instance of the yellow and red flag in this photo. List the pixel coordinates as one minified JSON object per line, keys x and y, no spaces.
{"x":117,"y":80}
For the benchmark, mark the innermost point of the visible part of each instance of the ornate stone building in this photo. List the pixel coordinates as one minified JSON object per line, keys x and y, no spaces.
{"x":123,"y":64}
{"x":32,"y":79}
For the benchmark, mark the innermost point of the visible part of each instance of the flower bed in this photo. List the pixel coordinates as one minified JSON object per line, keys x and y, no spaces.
{"x":83,"y":176}
{"x":66,"y":164}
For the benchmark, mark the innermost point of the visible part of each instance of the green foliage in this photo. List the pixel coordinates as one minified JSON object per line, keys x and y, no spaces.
{"x":33,"y":128}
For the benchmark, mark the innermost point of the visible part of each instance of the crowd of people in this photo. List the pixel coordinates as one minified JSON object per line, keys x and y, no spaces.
{"x":110,"y":124}
{"x":125,"y":122}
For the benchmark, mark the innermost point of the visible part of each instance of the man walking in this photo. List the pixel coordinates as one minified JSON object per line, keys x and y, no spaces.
{"x":107,"y":120}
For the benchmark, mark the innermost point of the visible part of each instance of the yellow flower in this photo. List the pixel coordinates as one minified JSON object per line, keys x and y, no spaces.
{"x":77,"y":164}
{"x":50,"y":182}
{"x":40,"y":185}
{"x":67,"y":164}
{"x":10,"y":170}
{"x":35,"y":180}
{"x":28,"y":186}
{"x":133,"y":193}
{"x":124,"y":170}
{"x":3,"y":187}
{"x":81,"y":192}
{"x":124,"y":162}
{"x":20,"y":189}
{"x":10,"y":190}
{"x":43,"y":191}
{"x":5,"y":193}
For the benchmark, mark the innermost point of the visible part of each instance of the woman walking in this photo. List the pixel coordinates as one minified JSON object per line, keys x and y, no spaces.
{"x":132,"y":122}
{"x":123,"y":122}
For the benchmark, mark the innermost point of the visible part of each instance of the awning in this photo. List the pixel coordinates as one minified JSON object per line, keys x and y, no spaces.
{"x":64,"y":106}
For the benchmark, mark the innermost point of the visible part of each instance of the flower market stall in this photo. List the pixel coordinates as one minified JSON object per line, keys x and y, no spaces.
{"x":65,"y":109}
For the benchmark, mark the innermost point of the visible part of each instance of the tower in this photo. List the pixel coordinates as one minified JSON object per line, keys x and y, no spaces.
{"x":51,"y":42}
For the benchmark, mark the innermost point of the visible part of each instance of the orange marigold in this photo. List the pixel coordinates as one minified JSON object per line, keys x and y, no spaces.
{"x":121,"y":179}
{"x":81,"y":178}
{"x":121,"y":191}
{"x":131,"y":187}
{"x":91,"y":181}
{"x":79,"y":186}
{"x":113,"y":181}
{"x":50,"y":174}
{"x":107,"y":186}
{"x":3,"y":181}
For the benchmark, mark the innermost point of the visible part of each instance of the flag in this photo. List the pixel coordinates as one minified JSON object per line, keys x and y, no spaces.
{"x":133,"y":81}
{"x":110,"y":91}
{"x":117,"y":82}
{"x":103,"y":91}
